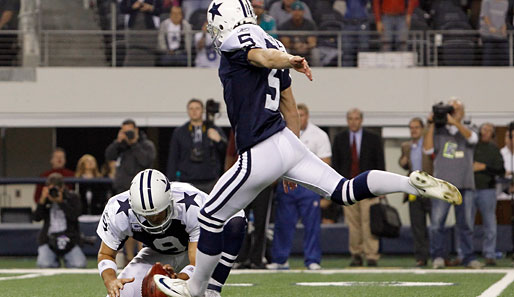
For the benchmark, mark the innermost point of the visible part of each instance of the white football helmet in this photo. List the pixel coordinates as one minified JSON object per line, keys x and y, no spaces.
{"x":150,"y":194}
{"x":225,"y":15}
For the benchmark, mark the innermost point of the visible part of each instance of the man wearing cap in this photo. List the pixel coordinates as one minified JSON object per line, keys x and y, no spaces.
{"x":300,"y":44}
{"x":281,"y":11}
{"x":264,"y":20}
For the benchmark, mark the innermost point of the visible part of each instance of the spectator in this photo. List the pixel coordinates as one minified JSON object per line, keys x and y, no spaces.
{"x":9,"y":10}
{"x":257,"y":214}
{"x":508,"y":152}
{"x":412,"y":159}
{"x":109,"y":169}
{"x":508,"y":161}
{"x":300,"y":203}
{"x":266,"y":21}
{"x":354,"y":151}
{"x":355,"y":20}
{"x":59,"y":210}
{"x":493,"y":31}
{"x":142,"y":15}
{"x":93,"y":196}
{"x":173,"y":40}
{"x":206,"y":56}
{"x":105,"y":19}
{"x":132,"y":151}
{"x":393,"y":22}
{"x":58,"y":163}
{"x":196,"y":151}
{"x":282,"y":10}
{"x":453,"y":145}
{"x":488,"y":163}
{"x":299,"y":45}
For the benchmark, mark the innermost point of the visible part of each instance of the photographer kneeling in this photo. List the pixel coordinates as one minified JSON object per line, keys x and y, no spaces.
{"x":452,"y":143}
{"x":59,"y":209}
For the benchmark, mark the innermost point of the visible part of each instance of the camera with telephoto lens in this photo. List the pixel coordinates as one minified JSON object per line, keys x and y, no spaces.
{"x":212,"y":107}
{"x":130,"y":134}
{"x":440,"y":111}
{"x":53,"y":192}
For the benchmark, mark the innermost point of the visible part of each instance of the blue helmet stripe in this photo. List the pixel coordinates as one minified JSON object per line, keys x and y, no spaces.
{"x":244,"y":9}
{"x":141,"y":192}
{"x":150,"y":188}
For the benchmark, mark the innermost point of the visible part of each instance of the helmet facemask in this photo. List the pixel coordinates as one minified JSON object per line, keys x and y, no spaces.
{"x":156,"y":228}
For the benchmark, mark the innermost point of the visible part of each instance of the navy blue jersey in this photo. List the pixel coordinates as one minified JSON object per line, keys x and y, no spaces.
{"x":252,"y":94}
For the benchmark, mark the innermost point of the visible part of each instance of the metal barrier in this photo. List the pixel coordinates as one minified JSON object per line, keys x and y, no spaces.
{"x":116,"y":48}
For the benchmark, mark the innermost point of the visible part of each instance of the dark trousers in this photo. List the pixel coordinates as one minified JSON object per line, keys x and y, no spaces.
{"x":254,"y":243}
{"x":418,"y":211}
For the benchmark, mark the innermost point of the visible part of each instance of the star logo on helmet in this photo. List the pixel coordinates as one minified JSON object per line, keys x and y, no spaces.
{"x":167,"y":183}
{"x":124,"y":207}
{"x":214,"y":10}
{"x":188,"y":200}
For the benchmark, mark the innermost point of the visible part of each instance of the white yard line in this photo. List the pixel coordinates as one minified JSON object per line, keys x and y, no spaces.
{"x":497,"y":288}
{"x":382,"y":284}
{"x":25,"y":276}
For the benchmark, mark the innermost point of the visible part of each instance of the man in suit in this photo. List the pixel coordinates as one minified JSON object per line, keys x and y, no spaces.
{"x":354,"y":151}
{"x":412,"y":158}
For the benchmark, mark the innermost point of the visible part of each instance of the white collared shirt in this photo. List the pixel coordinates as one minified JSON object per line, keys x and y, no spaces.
{"x":316,"y":140}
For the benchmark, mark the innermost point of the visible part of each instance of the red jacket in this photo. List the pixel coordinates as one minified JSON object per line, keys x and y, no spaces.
{"x":392,"y":7}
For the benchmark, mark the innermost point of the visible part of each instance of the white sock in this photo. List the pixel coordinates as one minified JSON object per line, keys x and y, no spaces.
{"x":205,"y":265}
{"x":383,"y":182}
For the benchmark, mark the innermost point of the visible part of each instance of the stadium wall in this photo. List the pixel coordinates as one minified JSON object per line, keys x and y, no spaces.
{"x":157,"y":96}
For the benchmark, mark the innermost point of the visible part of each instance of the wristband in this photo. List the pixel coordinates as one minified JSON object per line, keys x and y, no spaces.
{"x":189,"y":270}
{"x":106,"y":264}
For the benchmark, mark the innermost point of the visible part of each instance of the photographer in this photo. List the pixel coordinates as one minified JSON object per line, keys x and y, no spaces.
{"x":132,"y":152}
{"x":59,"y":209}
{"x":197,"y":148}
{"x":452,"y":144}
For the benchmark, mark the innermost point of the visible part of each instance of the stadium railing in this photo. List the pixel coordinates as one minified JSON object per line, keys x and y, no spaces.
{"x":115,"y":48}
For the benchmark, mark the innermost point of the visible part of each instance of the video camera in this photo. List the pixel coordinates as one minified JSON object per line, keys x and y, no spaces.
{"x":440,"y":111}
{"x":212,"y":107}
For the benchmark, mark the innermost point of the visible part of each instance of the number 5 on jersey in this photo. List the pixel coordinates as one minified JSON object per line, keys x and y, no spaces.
{"x":273,"y":93}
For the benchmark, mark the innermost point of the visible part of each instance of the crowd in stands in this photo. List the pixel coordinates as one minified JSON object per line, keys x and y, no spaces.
{"x":449,"y":148}
{"x":159,"y":29}
{"x":366,"y":25}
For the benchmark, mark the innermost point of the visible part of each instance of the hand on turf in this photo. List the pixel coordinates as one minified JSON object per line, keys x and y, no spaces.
{"x":114,"y":286}
{"x":300,"y":64}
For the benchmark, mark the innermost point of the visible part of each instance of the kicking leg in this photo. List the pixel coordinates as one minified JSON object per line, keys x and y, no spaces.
{"x":314,"y":174}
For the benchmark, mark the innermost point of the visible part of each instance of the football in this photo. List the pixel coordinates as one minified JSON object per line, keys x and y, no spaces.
{"x":148,"y":288}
